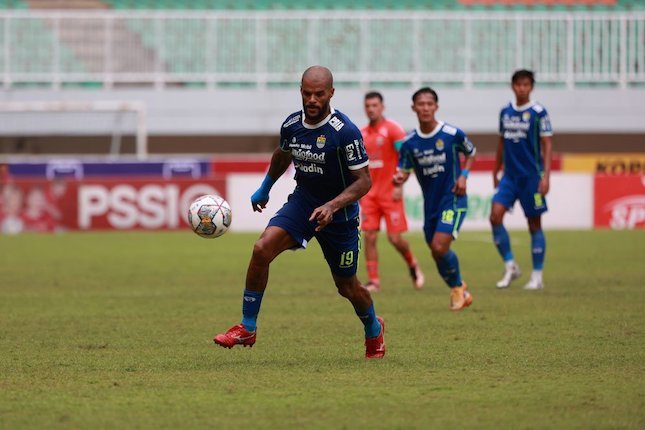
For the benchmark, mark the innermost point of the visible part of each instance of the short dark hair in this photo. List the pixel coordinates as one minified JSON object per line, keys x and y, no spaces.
{"x":522,"y":74}
{"x":425,"y":90}
{"x":374,"y":94}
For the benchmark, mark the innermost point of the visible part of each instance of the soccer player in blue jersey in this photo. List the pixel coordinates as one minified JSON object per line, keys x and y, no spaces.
{"x":432,"y":152}
{"x":331,"y":175}
{"x":524,"y":150}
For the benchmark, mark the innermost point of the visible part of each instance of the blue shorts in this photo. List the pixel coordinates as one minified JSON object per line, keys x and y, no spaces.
{"x":447,"y":218}
{"x":526,"y":190}
{"x":339,"y":240}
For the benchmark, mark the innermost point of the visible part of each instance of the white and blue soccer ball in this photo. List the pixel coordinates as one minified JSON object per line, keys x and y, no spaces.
{"x":209,"y":216}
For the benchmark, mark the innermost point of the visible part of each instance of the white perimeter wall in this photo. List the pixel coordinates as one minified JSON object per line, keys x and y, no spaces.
{"x":570,"y":202}
{"x":240,"y":112}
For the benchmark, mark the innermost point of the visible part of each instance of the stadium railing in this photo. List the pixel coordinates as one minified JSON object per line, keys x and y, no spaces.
{"x":264,"y":48}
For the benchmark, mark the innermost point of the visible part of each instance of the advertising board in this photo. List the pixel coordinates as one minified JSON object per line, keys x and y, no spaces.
{"x":619,"y":201}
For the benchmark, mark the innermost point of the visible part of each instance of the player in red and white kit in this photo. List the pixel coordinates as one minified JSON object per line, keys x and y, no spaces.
{"x":384,"y":200}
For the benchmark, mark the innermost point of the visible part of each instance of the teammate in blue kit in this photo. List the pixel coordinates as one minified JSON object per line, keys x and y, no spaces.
{"x":432,"y":152}
{"x":331,"y":175}
{"x":524,"y":150}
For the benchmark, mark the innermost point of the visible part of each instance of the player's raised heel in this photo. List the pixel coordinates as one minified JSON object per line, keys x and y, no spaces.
{"x":375,"y":346}
{"x":460,"y":298}
{"x":236,"y":335}
{"x":511,"y":273}
{"x":417,"y":277}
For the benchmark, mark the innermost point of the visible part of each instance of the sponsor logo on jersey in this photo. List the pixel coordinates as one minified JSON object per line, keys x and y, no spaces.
{"x":320,"y":141}
{"x":291,"y":121}
{"x":379,"y":141}
{"x":308,"y":156}
{"x":433,"y":170}
{"x":309,"y":168}
{"x":336,"y":123}
{"x":439,"y":145}
{"x":514,"y":128}
{"x":432,"y":164}
{"x":429,"y":159}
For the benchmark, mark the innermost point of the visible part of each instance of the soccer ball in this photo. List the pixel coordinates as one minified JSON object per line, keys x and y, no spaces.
{"x":209,"y":216}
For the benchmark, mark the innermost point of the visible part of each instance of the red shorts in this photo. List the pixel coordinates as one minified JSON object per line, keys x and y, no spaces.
{"x":375,"y":208}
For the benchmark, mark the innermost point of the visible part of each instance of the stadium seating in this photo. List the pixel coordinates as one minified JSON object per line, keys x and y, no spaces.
{"x":599,"y":5}
{"x":13,"y":4}
{"x":456,"y":5}
{"x":36,"y":53}
{"x":239,"y":49}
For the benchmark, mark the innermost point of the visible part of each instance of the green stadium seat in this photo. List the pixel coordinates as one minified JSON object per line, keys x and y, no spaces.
{"x":13,"y":4}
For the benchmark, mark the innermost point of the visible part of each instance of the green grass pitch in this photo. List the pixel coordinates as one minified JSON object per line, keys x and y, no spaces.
{"x":114,"y":330}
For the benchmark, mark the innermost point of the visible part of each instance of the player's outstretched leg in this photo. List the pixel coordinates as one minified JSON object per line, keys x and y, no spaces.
{"x":271,"y":243}
{"x":236,"y":335}
{"x":448,"y":267}
{"x":361,"y":300}
{"x":243,"y":333}
{"x":460,"y":298}
{"x":503,"y":244}
{"x":511,"y":272}
{"x":538,"y":249}
{"x":375,"y":346}
{"x":371,"y":260}
{"x":417,"y":276}
{"x":403,"y":247}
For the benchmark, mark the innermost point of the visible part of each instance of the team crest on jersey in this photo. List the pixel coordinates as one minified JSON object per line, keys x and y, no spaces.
{"x":320,"y":141}
{"x":526,"y":116}
{"x":439,"y":145}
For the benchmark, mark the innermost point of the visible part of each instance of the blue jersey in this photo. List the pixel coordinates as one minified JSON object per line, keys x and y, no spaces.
{"x":435,"y":160}
{"x":323,"y":156}
{"x":521,"y":127}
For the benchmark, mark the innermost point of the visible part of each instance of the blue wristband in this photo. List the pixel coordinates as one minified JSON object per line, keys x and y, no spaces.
{"x":267,"y":183}
{"x":465,"y":173}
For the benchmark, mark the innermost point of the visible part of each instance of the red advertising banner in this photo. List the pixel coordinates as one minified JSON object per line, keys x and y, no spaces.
{"x":34,"y":206}
{"x":103,"y":204}
{"x":619,"y":201}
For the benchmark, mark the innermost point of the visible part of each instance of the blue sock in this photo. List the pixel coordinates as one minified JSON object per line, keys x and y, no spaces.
{"x":250,"y":308}
{"x":538,"y":249}
{"x":372,"y":326}
{"x":502,"y":242}
{"x":448,"y":267}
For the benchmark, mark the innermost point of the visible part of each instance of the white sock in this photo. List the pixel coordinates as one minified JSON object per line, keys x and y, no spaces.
{"x":537,"y":275}
{"x":509,"y":264}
